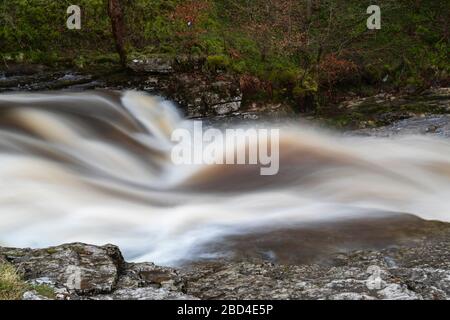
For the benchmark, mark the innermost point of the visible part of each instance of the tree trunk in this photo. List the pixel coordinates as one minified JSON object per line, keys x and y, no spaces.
{"x":308,"y":10}
{"x":118,"y":28}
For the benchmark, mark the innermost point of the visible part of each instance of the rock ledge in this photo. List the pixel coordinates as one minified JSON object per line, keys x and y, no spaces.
{"x":81,"y":271}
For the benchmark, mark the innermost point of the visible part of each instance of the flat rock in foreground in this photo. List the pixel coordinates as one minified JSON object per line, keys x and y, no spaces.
{"x":80,"y":271}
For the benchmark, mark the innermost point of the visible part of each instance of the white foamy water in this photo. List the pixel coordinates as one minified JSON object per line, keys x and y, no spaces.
{"x":96,"y":168}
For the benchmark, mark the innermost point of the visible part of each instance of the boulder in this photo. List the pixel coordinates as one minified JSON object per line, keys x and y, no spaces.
{"x":83,"y":269}
{"x":206,"y":95}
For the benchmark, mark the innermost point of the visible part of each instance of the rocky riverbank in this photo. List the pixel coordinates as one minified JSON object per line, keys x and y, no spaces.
{"x":201,"y":93}
{"x":417,"y":269}
{"x":385,"y":109}
{"x":219,"y":96}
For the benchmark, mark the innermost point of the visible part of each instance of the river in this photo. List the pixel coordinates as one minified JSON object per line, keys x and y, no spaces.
{"x":95,"y":167}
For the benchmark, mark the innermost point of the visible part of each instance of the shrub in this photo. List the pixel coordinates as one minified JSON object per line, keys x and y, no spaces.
{"x":333,"y":69}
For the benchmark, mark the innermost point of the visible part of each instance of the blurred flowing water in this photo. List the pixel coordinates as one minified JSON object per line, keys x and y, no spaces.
{"x":95,"y":167}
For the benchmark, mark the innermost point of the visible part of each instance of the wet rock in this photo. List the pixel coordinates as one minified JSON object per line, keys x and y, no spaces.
{"x":205,"y":95}
{"x":182,"y":79}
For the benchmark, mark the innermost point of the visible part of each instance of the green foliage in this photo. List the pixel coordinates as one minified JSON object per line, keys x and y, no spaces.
{"x":12,"y":287}
{"x":212,"y":45}
{"x":218,"y":62}
{"x":36,"y":29}
{"x":272,"y":40}
{"x":44,"y":290}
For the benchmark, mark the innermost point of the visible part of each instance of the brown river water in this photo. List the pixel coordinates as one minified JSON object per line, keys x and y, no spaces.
{"x":95,"y":167}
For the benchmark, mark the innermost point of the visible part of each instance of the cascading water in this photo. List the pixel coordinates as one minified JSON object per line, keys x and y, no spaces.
{"x":96,"y":168}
